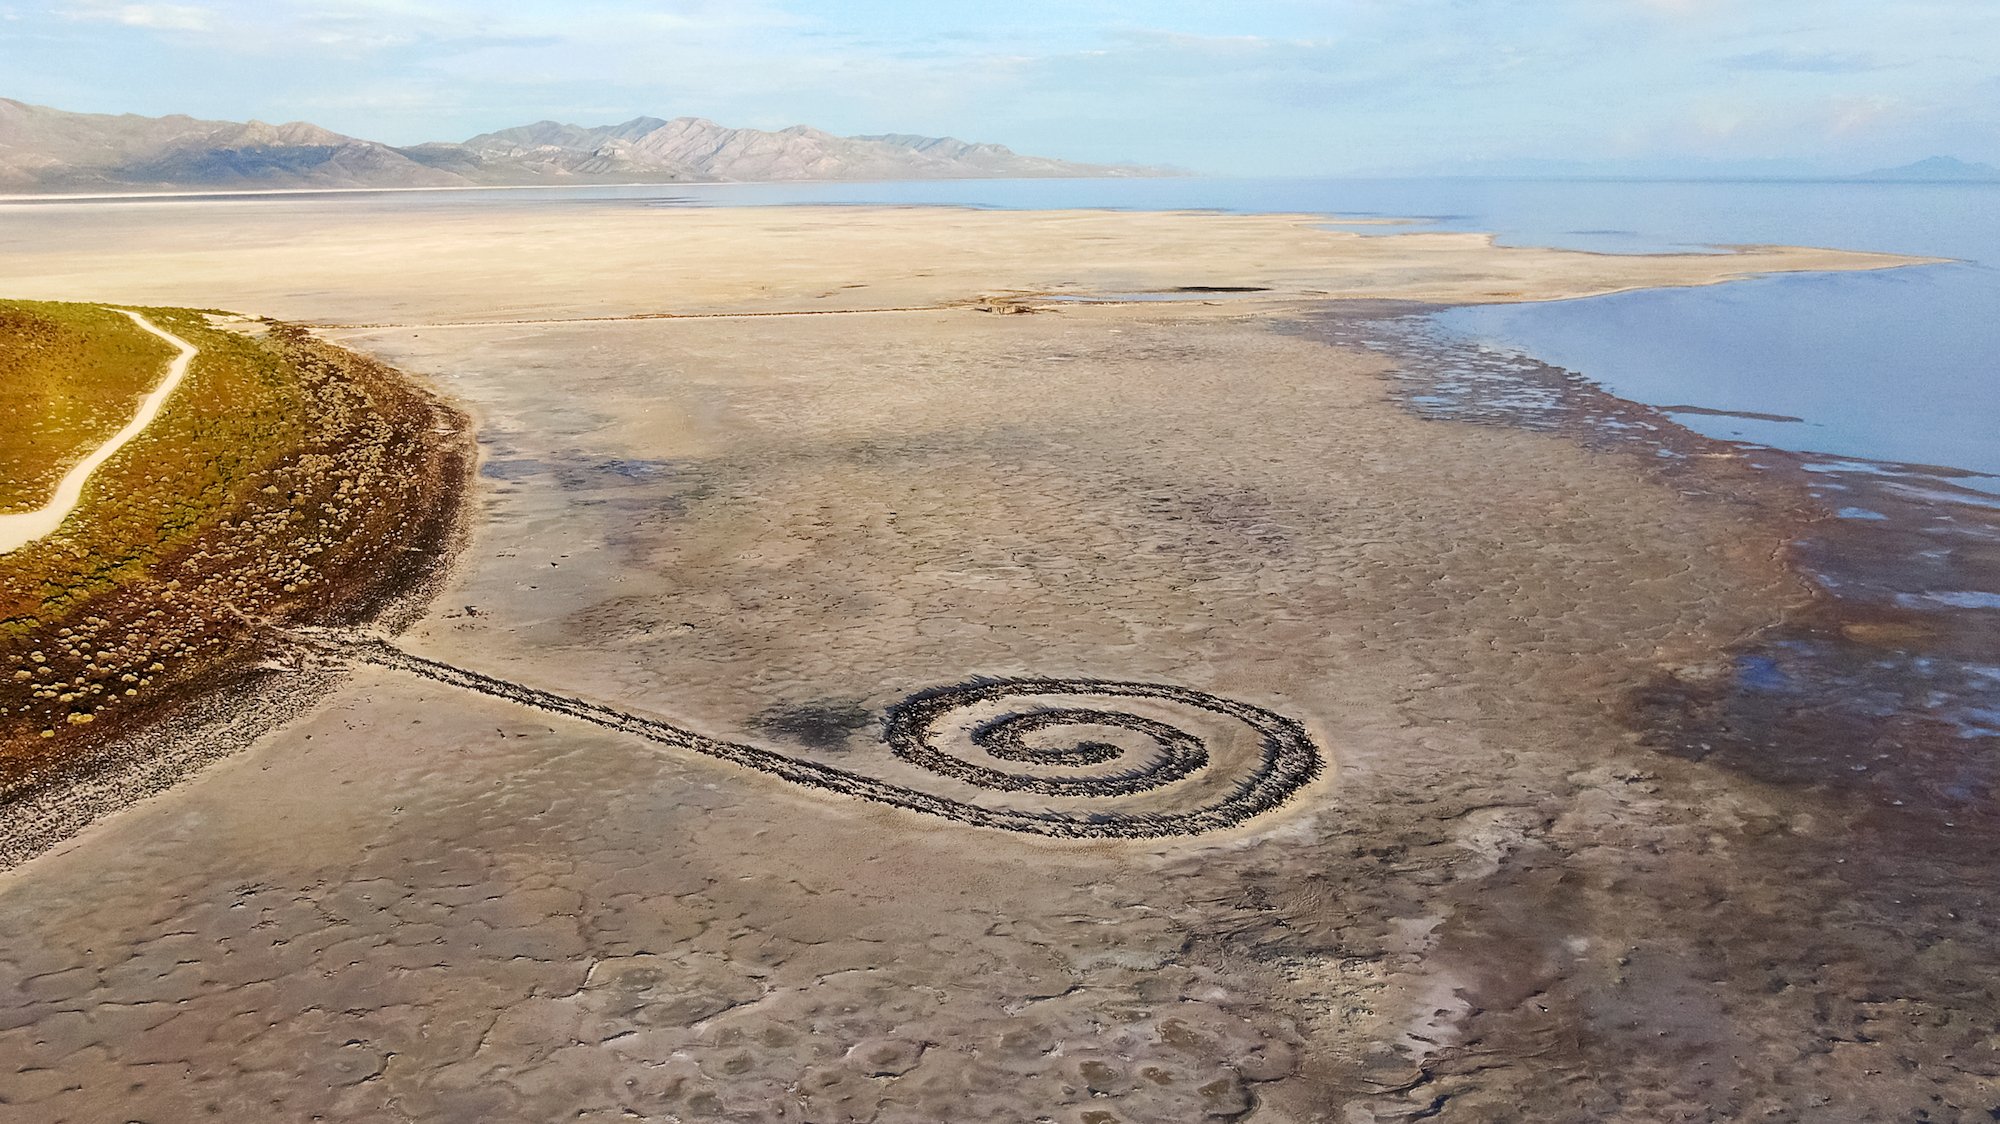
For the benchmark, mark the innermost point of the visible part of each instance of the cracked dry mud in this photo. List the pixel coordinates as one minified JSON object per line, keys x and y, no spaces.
{"x":426,"y":903}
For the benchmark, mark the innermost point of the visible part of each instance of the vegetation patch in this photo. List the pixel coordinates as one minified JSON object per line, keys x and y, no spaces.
{"x":287,"y":482}
{"x":70,"y":376}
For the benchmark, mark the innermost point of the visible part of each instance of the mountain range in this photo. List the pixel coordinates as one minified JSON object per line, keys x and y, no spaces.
{"x":50,"y":150}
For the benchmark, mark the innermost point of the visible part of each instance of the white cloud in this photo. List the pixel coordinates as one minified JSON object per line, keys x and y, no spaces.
{"x":159,"y":17}
{"x":1253,"y":85}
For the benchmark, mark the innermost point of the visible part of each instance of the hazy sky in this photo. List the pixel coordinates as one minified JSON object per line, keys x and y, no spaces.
{"x":1250,"y":86}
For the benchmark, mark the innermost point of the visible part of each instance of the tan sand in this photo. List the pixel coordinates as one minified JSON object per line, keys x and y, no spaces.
{"x":421,"y":903}
{"x":327,"y":263}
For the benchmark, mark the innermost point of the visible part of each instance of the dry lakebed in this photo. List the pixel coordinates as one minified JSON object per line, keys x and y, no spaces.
{"x":871,"y":676}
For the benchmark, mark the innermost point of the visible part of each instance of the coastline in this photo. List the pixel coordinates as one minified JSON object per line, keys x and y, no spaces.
{"x":221,"y":193}
{"x":473,"y":264}
{"x":1860,"y":706}
{"x":1502,"y":895}
{"x":1873,"y":585}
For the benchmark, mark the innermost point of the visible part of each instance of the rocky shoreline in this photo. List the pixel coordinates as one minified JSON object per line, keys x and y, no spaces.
{"x":349,"y":523}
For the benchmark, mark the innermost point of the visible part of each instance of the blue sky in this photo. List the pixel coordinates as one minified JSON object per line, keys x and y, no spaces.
{"x":1233,"y":86}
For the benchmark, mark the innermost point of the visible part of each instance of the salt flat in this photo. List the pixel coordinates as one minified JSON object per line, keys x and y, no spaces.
{"x":324,"y":260}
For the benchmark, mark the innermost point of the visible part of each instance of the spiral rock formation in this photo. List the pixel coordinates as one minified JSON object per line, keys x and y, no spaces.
{"x":1015,"y":725}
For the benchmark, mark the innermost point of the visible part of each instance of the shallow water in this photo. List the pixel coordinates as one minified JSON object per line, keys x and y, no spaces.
{"x":1902,"y":366}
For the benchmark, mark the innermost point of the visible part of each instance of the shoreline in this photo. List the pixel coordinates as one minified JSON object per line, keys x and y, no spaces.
{"x":450,"y":265}
{"x":1523,"y":879}
{"x":255,"y":688}
{"x":265,"y":695}
{"x":1860,"y":710}
{"x":212,"y":723}
{"x":1863,"y":599}
{"x":221,"y":194}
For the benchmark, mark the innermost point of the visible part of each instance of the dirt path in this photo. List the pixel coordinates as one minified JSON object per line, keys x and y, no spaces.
{"x":18,"y":530}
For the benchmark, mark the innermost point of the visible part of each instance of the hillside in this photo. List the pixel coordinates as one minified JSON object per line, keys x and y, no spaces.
{"x":1937,"y":169}
{"x":50,"y":150}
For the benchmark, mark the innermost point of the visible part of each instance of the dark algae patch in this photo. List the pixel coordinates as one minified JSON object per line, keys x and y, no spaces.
{"x":823,"y":725}
{"x":288,"y":481}
{"x":1707,"y":412}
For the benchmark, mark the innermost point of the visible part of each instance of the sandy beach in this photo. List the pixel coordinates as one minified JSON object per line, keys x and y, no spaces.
{"x":762,"y":477}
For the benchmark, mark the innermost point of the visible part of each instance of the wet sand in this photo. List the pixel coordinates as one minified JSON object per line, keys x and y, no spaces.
{"x":1493,"y":902}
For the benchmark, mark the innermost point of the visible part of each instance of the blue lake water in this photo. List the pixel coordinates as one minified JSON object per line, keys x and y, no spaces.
{"x":1901,"y":366}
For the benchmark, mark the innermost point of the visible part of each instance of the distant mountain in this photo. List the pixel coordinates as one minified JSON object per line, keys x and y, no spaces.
{"x":45,"y":149}
{"x":1661,"y":168}
{"x":49,"y":150}
{"x":692,"y":148}
{"x":1936,"y":169}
